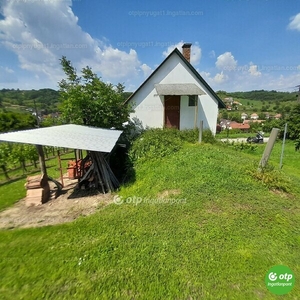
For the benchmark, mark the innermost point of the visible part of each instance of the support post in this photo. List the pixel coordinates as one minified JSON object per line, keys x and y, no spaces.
{"x":43,"y":167}
{"x":200,"y":131}
{"x":265,"y":157}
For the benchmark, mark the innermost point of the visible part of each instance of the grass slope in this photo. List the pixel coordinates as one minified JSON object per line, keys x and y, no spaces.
{"x":218,"y":243}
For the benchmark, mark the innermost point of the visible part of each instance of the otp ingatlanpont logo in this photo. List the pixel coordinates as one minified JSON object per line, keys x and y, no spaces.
{"x":272,"y":276}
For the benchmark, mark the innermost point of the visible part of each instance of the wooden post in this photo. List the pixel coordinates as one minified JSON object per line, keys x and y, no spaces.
{"x":200,"y":131}
{"x":268,"y":149}
{"x":40,"y":151}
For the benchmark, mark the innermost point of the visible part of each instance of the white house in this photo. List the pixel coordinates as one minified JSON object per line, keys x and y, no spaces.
{"x":175,"y":95}
{"x":244,"y":116}
{"x":254,"y":116}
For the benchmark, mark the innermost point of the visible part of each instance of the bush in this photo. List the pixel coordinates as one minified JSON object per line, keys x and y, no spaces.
{"x":208,"y":137}
{"x":273,"y":179}
{"x":156,"y":143}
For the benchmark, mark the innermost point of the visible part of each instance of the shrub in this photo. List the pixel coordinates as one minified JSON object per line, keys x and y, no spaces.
{"x":273,"y":179}
{"x":155,"y":143}
{"x":189,"y":135}
{"x":208,"y":137}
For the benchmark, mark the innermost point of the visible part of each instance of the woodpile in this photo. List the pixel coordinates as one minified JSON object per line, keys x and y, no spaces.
{"x":95,"y":172}
{"x":38,"y":190}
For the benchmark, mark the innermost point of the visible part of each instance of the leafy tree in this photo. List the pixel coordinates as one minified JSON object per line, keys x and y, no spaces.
{"x":5,"y":150}
{"x":31,"y":154}
{"x":294,"y":123}
{"x":272,"y":123}
{"x":16,"y":121}
{"x":18,"y":155}
{"x":88,"y":100}
{"x":1,"y":103}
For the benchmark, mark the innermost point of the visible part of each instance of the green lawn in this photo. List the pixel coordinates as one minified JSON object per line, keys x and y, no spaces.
{"x":217,"y":241}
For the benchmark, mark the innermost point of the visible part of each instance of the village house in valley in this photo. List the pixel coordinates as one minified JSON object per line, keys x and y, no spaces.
{"x":176,"y":96}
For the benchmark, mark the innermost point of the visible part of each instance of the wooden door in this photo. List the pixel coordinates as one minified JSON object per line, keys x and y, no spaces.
{"x":172,"y":111}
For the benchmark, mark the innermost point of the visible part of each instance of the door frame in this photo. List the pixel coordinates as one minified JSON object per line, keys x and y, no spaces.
{"x":171,"y":97}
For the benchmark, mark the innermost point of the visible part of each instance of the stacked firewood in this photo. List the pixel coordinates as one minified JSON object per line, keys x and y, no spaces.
{"x":38,"y":190}
{"x":95,"y":172}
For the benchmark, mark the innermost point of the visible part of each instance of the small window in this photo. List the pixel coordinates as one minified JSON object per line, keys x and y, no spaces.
{"x":193,"y":100}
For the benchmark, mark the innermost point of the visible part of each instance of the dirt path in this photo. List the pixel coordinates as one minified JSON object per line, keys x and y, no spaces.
{"x":65,"y":208}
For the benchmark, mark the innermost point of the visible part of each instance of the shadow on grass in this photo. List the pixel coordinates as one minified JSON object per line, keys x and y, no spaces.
{"x":16,"y":178}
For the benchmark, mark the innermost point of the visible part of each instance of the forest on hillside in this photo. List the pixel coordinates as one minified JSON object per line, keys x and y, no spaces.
{"x":260,"y":95}
{"x":44,"y":100}
{"x":49,"y":98}
{"x":47,"y":101}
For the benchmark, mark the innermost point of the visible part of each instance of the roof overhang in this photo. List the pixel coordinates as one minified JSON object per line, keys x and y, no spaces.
{"x":180,"y":89}
{"x":67,"y":136}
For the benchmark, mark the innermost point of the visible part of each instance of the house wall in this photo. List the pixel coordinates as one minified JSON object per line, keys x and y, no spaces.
{"x":187,"y":114}
{"x":149,"y":107}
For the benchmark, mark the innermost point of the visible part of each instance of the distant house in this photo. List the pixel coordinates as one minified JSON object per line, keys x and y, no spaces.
{"x":278,"y":116}
{"x":240,"y":126}
{"x":175,"y":95}
{"x":254,"y":116}
{"x":253,"y":121}
{"x":227,"y":124}
{"x":228,"y":100}
{"x":244,"y":116}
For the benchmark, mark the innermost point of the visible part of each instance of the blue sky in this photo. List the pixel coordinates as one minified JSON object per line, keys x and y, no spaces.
{"x":238,"y":45}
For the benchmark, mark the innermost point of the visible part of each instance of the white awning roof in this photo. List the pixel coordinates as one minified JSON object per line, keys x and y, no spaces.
{"x":67,"y":136}
{"x":178,"y":89}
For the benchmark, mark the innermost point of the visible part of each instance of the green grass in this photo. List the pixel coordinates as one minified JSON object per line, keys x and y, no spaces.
{"x":291,"y":158}
{"x":218,"y":243}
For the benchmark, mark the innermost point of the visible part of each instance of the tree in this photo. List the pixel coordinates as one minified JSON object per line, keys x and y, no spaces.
{"x":294,"y":123}
{"x":16,"y":121}
{"x":19,"y":155}
{"x":89,"y":101}
{"x":5,"y":150}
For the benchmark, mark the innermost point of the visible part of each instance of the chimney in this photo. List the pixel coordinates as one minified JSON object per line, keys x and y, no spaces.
{"x":186,"y":51}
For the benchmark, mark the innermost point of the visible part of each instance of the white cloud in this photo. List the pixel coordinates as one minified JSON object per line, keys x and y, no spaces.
{"x":226,"y":61}
{"x":195,"y":52}
{"x":220,"y":77}
{"x":41,"y":32}
{"x":253,"y":70}
{"x":146,"y":69}
{"x":248,"y":77}
{"x":295,"y":22}
{"x":204,"y":74}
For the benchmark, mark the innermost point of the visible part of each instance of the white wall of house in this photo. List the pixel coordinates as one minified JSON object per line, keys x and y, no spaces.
{"x":149,"y":107}
{"x":187,"y":114}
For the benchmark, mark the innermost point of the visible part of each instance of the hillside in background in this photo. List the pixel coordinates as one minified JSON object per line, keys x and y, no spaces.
{"x":260,"y":102}
{"x":260,"y":95}
{"x":46,"y":101}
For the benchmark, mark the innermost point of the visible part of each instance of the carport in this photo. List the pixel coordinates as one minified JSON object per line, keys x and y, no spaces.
{"x":97,"y":142}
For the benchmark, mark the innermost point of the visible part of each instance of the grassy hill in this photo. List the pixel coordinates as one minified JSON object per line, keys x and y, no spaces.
{"x":20,"y":100}
{"x":45,"y":100}
{"x":263,"y":101}
{"x":195,"y":224}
